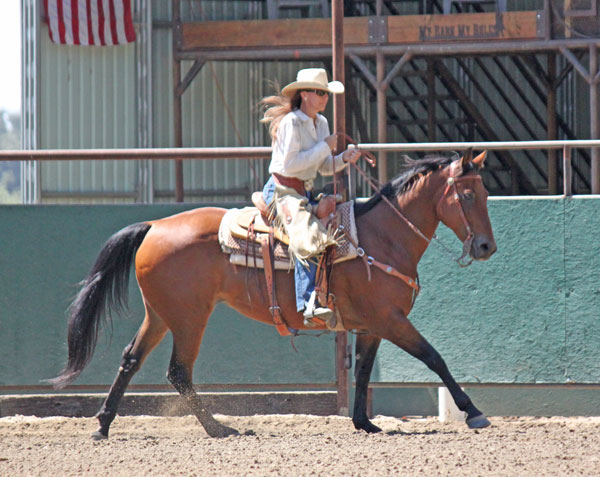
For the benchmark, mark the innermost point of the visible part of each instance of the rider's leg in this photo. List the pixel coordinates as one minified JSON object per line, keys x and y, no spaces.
{"x":306,"y":300}
{"x":304,"y":277}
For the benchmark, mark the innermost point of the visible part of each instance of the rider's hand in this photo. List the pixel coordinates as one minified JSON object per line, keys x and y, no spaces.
{"x":332,"y":141}
{"x":351,"y":155}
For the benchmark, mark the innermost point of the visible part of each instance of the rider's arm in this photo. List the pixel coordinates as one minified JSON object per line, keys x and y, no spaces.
{"x":327,"y":166}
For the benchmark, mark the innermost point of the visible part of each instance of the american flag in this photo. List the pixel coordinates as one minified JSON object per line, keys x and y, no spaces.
{"x":90,"y":22}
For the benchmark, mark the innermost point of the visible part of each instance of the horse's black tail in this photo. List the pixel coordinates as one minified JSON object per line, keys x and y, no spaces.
{"x":104,"y":292}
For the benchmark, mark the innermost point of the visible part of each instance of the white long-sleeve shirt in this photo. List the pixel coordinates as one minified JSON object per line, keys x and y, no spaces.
{"x":300,"y":150}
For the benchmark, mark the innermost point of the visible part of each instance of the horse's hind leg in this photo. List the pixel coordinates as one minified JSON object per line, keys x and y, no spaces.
{"x":145,"y":340}
{"x":404,"y":335}
{"x":366,"y":349}
{"x":186,"y":345}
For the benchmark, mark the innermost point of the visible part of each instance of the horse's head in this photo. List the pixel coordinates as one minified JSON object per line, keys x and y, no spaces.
{"x":462,"y":206}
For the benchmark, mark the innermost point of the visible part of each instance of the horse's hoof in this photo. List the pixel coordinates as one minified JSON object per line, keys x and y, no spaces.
{"x":478,"y":422}
{"x":98,"y":436}
{"x":367,"y":426}
{"x":222,"y":431}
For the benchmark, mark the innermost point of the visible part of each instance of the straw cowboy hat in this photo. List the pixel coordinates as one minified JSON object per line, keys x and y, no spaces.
{"x":312,"y":78}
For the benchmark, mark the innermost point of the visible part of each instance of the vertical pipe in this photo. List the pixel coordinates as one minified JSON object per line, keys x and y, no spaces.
{"x":547,"y":20}
{"x":177,"y":115}
{"x":567,"y":172}
{"x":551,"y":125}
{"x":594,"y":119}
{"x":339,"y":103}
{"x":381,"y":117}
{"x":350,"y":172}
{"x":339,"y":125}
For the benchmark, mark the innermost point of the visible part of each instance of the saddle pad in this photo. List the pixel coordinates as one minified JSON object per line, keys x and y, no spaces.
{"x":236,"y":246}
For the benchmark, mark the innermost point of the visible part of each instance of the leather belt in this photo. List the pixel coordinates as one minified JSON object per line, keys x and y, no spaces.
{"x":293,"y":182}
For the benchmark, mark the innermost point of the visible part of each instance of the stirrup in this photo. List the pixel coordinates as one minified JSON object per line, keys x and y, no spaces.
{"x":314,"y":310}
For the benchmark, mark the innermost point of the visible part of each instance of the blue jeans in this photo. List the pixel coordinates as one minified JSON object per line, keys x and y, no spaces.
{"x":304,"y":277}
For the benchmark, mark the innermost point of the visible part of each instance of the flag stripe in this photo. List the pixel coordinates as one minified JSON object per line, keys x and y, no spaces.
{"x":68,"y":21}
{"x":51,"y":19}
{"x":113,"y":22}
{"x":90,"y":22}
{"x":119,"y":20}
{"x":61,"y":21}
{"x":101,"y":20}
{"x":129,"y":30}
{"x":75,"y":21}
{"x":82,"y":18}
{"x":90,"y":27}
{"x":95,"y":22}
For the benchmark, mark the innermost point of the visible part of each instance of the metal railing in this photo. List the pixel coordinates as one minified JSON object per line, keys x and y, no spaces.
{"x":265,"y":152}
{"x":565,"y":145}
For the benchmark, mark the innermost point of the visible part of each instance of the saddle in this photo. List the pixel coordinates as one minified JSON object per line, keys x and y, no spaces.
{"x":250,"y":240}
{"x":256,"y":220}
{"x":242,"y":230}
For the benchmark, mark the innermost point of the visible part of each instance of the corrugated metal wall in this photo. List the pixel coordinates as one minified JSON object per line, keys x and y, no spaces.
{"x":88,"y":97}
{"x":88,"y":101}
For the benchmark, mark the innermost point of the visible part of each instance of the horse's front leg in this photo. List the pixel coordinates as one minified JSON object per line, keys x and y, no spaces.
{"x":400,"y":331}
{"x":366,"y":349}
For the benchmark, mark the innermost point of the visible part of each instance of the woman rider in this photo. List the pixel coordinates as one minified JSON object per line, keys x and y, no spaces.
{"x":302,"y":147}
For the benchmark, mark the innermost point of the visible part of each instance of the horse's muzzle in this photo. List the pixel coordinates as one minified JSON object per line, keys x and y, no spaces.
{"x":482,"y":248}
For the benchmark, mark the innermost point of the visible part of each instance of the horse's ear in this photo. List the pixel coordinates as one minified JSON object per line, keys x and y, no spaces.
{"x":480,"y":159}
{"x":467,"y":157}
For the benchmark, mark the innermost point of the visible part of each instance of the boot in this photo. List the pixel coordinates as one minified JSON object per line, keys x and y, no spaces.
{"x":314,"y":310}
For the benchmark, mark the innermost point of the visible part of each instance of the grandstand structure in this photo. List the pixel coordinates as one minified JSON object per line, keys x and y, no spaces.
{"x":415,"y":70}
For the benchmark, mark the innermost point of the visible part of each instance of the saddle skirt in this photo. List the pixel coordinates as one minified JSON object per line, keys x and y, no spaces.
{"x":233,"y":237}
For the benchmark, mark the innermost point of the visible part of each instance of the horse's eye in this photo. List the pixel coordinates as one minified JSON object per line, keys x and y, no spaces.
{"x":468,"y":195}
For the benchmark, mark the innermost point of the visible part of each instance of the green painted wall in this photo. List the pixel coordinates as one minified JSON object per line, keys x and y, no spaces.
{"x":529,"y":315}
{"x":46,"y":250}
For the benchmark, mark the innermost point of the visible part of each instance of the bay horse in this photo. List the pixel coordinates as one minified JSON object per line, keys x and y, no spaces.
{"x":182,"y":273}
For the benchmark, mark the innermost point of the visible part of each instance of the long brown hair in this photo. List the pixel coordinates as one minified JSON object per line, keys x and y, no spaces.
{"x":276,"y":107}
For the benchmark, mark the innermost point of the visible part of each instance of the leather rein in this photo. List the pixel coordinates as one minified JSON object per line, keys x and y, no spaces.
{"x":451,"y":185}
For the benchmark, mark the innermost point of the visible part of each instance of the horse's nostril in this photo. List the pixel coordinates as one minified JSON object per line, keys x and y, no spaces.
{"x":485,"y":247}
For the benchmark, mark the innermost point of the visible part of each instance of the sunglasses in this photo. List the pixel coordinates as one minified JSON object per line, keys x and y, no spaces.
{"x":318,"y":92}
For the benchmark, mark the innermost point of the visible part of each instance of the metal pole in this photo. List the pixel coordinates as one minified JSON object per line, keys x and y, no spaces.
{"x":177,"y":116}
{"x":382,"y":174}
{"x":339,"y":125}
{"x":390,"y":49}
{"x":594,"y":120}
{"x":381,"y":118}
{"x":567,"y":172}
{"x":551,"y":124}
{"x":490,"y":145}
{"x":187,"y":153}
{"x":547,"y":20}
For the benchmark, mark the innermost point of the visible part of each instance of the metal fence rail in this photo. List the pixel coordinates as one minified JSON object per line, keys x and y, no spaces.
{"x":180,"y":154}
{"x":565,"y":145}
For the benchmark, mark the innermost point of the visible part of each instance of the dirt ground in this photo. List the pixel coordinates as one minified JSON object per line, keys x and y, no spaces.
{"x":300,"y":445}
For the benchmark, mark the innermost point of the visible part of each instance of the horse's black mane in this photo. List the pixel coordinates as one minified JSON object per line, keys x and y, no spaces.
{"x":414,"y":170}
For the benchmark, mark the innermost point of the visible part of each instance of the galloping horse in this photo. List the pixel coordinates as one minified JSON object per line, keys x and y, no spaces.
{"x":182,"y":274}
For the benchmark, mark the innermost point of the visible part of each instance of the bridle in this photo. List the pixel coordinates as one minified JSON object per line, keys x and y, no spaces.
{"x":451,"y":186}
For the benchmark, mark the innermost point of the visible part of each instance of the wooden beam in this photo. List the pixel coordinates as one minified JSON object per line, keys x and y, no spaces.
{"x":303,"y":32}
{"x":316,"y":32}
{"x":463,"y":27}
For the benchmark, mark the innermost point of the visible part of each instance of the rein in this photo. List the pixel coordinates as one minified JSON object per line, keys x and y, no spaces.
{"x":451,"y":185}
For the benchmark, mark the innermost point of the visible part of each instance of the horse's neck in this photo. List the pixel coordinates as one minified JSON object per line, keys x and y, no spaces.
{"x":394,"y":236}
